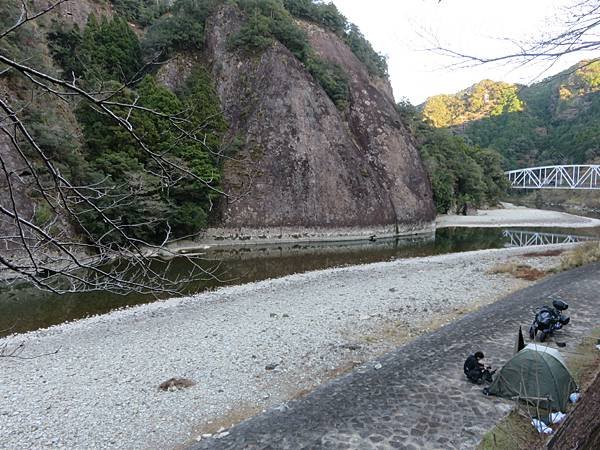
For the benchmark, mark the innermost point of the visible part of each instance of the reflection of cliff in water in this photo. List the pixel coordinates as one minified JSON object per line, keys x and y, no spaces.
{"x":24,"y":308}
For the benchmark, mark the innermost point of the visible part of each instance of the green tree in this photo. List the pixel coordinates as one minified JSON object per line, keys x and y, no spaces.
{"x":460,"y":174}
{"x":181,"y":29}
{"x":142,"y":12}
{"x":110,"y":50}
{"x":64,"y":46}
{"x":376,"y":63}
{"x":115,"y":154}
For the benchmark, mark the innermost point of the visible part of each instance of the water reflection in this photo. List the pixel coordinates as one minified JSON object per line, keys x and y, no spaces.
{"x":522,"y":238}
{"x":23,"y":308}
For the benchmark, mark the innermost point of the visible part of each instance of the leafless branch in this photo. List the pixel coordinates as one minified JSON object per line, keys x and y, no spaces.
{"x":16,"y":351}
{"x":580,"y":32}
{"x":25,"y":17}
{"x":62,"y":254}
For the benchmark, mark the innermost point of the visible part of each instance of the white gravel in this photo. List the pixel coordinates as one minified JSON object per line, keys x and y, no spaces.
{"x":511,"y":216}
{"x":101,"y":391}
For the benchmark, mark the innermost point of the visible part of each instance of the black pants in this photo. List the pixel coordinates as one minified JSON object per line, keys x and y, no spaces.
{"x":479,"y":375}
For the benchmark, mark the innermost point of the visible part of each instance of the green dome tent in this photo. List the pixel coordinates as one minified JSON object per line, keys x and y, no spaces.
{"x":537,"y":374}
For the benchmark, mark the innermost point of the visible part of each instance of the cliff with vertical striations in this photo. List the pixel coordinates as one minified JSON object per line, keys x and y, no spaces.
{"x":305,"y":166}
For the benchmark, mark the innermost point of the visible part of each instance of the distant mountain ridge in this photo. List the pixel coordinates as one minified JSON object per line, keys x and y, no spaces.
{"x":553,"y":121}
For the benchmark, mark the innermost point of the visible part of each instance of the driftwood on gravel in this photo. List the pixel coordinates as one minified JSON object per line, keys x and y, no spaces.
{"x":175,"y":384}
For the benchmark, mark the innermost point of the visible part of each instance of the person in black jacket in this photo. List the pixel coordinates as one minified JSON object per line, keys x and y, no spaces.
{"x":475,"y":370}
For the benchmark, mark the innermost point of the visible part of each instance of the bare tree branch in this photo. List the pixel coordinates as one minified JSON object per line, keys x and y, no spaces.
{"x":580,"y":32}
{"x":62,"y":254}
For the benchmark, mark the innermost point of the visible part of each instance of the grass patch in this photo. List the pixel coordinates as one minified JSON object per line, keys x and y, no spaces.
{"x":522,"y":271}
{"x":583,"y":254}
{"x":584,"y":361}
{"x":513,"y":432}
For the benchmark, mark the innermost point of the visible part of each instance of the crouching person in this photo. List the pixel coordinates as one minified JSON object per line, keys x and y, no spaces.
{"x":475,"y":370}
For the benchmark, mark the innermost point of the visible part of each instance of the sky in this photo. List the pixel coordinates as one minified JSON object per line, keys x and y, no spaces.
{"x":403,"y":30}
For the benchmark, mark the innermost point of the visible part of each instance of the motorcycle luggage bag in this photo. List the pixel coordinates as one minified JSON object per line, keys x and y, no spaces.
{"x":560,"y":305}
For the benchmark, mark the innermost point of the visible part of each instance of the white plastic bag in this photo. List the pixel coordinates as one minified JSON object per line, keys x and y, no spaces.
{"x":557,"y":417}
{"x":541,"y":426}
{"x":574,"y":397}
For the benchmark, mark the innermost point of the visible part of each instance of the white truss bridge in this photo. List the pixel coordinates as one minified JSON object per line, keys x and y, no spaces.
{"x":519,"y":238}
{"x":556,"y":177}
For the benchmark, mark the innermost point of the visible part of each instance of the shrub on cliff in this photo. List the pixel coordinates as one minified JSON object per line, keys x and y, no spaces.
{"x":142,"y":12}
{"x":268,"y":20}
{"x":106,"y":50}
{"x":328,"y":16}
{"x":181,"y":29}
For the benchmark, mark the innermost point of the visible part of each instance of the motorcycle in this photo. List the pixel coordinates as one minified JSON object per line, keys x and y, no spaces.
{"x":547,"y":320}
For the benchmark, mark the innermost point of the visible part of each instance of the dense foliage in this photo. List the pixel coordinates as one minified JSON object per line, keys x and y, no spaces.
{"x":484,"y":99}
{"x":108,"y":52}
{"x":141,"y":12}
{"x":555,"y":121}
{"x":181,"y":29}
{"x":113,"y":153}
{"x":460,"y":174}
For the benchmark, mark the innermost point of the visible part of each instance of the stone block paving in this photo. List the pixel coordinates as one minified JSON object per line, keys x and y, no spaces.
{"x":419,"y":398}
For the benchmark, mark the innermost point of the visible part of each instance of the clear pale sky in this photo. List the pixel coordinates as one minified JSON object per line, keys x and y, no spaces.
{"x":396,"y":28}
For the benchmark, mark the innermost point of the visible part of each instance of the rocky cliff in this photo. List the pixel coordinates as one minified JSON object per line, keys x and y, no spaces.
{"x":304,"y":164}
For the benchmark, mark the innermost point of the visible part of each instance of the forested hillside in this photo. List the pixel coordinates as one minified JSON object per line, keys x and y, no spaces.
{"x":554,"y":121}
{"x":462,"y":175}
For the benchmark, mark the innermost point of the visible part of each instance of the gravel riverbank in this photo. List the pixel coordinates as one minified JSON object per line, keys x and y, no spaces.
{"x":517,"y":216}
{"x":247,"y":347}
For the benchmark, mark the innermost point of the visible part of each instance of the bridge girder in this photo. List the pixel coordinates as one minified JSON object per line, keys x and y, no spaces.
{"x":574,"y":176}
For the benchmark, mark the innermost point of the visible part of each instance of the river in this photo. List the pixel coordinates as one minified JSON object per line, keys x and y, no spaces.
{"x":23,"y":308}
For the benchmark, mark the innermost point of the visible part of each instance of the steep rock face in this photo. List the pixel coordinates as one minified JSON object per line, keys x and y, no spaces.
{"x":174,"y":74}
{"x":304,"y":164}
{"x":376,"y":125}
{"x":79,"y":11}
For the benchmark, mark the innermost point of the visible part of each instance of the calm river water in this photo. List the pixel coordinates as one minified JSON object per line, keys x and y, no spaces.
{"x":25,"y":308}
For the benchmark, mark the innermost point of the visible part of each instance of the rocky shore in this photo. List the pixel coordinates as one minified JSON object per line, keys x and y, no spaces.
{"x":512,"y":216}
{"x":246,"y":348}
